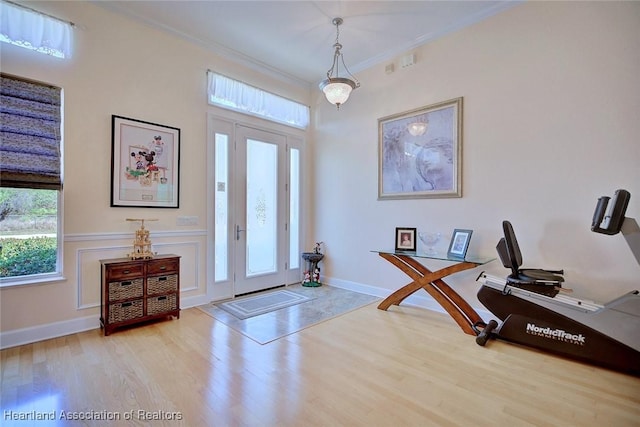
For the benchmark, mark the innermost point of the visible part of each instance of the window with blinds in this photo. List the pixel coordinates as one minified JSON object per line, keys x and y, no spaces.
{"x":30,"y":181}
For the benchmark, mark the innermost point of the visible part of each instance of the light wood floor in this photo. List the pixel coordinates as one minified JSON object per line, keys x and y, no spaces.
{"x":404,"y":367}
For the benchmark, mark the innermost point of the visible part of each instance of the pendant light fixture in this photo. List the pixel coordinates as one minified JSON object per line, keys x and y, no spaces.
{"x":337,"y":89}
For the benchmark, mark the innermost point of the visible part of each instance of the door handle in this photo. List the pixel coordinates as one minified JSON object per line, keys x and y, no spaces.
{"x":238,"y":230}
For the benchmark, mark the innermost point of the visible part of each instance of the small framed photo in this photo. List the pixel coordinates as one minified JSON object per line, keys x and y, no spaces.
{"x":405,"y":239}
{"x":459,"y":244}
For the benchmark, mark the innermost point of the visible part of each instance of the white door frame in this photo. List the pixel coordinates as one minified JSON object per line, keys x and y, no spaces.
{"x":226,"y":123}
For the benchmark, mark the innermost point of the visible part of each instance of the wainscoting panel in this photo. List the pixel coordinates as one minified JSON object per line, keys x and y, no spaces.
{"x":87,"y":266}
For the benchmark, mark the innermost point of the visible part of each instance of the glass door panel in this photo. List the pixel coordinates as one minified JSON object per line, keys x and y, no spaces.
{"x":221,"y":207}
{"x":262,"y":208}
{"x":294,"y":209}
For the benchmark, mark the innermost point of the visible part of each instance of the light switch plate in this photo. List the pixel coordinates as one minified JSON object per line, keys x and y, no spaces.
{"x":187,"y":220}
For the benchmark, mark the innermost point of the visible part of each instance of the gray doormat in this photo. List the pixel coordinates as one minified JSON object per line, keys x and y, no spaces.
{"x":326,"y":302}
{"x":255,"y":305}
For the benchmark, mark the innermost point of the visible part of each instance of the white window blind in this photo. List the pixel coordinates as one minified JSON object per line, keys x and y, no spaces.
{"x":235,"y":95}
{"x":30,"y":134}
{"x":33,"y":30}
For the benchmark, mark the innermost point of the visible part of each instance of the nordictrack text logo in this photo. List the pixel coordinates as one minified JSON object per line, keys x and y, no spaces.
{"x":555,"y":334}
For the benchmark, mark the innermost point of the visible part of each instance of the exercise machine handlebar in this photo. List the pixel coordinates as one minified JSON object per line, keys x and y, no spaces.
{"x":609,"y":218}
{"x":610,"y":221}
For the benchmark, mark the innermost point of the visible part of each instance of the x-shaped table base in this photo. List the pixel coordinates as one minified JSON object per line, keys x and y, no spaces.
{"x":431,"y":281}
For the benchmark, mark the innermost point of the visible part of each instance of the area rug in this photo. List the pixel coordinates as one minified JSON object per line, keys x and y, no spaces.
{"x":327,"y":302}
{"x":261,"y":303}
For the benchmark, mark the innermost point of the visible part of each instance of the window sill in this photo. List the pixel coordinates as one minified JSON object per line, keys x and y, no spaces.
{"x":42,"y":279}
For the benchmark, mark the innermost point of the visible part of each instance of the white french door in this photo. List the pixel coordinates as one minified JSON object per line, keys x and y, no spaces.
{"x":257,"y":203}
{"x":260,"y":220}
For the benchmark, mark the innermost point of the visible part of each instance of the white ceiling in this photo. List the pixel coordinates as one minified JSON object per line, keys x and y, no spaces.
{"x":294,"y":40}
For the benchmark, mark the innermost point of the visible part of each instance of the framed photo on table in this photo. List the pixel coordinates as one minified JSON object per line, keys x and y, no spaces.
{"x":459,"y":244}
{"x":145,"y":164}
{"x":405,"y":239}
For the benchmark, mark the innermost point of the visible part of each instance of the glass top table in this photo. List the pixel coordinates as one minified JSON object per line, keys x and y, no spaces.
{"x":438,"y":256}
{"x":432,"y":282}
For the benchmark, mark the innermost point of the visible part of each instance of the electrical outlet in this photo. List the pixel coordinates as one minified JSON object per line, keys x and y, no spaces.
{"x":389,"y":68}
{"x":408,"y":60}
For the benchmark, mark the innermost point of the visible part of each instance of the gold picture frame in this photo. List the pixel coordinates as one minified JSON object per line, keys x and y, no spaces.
{"x":420,"y":152}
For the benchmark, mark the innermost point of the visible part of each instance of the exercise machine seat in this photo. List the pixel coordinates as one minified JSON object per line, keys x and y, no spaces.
{"x":546,"y":282}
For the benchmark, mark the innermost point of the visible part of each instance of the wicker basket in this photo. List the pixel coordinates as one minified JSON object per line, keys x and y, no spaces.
{"x":162,"y":284}
{"x":125,"y":289}
{"x":161,"y":304}
{"x":123,"y":311}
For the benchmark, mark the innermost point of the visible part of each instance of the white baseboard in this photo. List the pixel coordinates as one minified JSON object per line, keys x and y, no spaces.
{"x":188,"y":302}
{"x":44,"y":332}
{"x":423,"y":301}
{"x":33,"y":334}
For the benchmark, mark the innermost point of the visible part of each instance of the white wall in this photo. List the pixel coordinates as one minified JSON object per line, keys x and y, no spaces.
{"x":129,"y":69}
{"x":551,"y":101}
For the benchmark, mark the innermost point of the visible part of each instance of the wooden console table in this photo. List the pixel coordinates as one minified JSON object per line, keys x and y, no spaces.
{"x":431,"y":281}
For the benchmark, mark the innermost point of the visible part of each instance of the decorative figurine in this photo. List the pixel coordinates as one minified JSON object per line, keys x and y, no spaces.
{"x":142,"y":243}
{"x":312,"y":273}
{"x":307,"y":278}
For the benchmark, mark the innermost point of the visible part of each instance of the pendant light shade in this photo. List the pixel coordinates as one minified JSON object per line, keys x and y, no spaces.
{"x":337,"y":89}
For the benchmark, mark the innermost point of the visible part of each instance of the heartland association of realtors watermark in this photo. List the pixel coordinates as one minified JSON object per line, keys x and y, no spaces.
{"x":134,"y":414}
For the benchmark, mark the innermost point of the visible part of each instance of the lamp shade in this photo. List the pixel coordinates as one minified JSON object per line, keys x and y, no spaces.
{"x":337,"y":89}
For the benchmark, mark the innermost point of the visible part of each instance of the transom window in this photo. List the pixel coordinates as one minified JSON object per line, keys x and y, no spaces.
{"x":235,"y":95}
{"x":30,"y":29}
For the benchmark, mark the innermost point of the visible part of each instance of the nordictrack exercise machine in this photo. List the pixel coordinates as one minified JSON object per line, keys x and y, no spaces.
{"x":535,"y":312}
